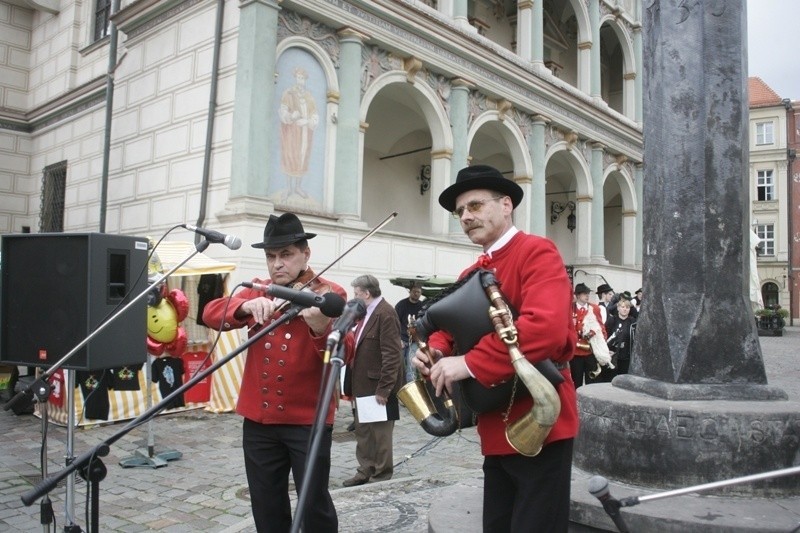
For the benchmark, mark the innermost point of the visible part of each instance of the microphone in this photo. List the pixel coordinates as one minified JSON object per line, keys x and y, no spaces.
{"x":353,"y":312}
{"x":330,"y":303}
{"x":598,"y":487}
{"x":231,"y":241}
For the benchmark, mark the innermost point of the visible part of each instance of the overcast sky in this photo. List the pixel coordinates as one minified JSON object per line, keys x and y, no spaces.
{"x":772,"y":45}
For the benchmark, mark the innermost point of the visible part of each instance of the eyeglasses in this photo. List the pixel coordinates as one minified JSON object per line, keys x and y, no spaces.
{"x":474,"y":206}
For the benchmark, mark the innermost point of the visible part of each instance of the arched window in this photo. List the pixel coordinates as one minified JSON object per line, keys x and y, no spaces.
{"x":769,"y":292}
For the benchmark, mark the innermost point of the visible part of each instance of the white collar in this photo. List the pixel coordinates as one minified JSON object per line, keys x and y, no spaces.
{"x":502,"y":241}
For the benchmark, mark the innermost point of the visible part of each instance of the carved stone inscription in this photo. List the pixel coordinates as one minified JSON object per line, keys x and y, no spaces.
{"x":768,"y":430}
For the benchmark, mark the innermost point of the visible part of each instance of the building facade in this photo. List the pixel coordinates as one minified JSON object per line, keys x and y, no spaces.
{"x":772,"y":131}
{"x":220,"y":113}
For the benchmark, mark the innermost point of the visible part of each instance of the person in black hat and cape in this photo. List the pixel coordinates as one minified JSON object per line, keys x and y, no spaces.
{"x":283,"y":371}
{"x":521,"y":493}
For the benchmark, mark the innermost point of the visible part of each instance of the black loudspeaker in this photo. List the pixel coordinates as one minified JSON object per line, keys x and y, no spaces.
{"x":57,"y":288}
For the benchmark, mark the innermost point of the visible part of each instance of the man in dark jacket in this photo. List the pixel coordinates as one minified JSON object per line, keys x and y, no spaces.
{"x":376,"y":371}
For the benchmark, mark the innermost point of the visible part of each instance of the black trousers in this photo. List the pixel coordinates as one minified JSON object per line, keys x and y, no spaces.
{"x":270,"y":451}
{"x":528,"y":494}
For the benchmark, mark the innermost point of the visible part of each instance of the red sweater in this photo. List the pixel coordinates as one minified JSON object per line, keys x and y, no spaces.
{"x":533,"y":279}
{"x":283,"y":370}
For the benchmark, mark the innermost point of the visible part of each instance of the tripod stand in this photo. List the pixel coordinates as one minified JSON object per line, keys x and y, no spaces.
{"x":89,"y":459}
{"x":40,"y":389}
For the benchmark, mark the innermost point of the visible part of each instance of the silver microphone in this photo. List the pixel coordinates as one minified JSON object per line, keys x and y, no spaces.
{"x":231,"y":241}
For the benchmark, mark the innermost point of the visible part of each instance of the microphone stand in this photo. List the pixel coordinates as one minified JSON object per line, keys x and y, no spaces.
{"x":90,"y":461}
{"x":336,"y":363}
{"x":40,"y":390}
{"x":630,"y":501}
{"x":612,"y":505}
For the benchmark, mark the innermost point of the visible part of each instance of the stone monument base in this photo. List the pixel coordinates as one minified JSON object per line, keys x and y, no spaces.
{"x":649,"y":441}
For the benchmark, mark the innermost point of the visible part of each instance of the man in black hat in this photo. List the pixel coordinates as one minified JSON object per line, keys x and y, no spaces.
{"x":604,"y":295}
{"x":278,"y":398}
{"x":520,"y":492}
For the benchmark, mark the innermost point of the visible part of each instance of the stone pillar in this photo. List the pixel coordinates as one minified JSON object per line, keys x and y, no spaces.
{"x":348,"y":132}
{"x":538,"y":199}
{"x":598,"y":224}
{"x":696,"y":406}
{"x":460,"y":13}
{"x":254,"y":98}
{"x":459,"y":125}
{"x":525,"y":29}
{"x":594,"y":69}
{"x":537,"y":35}
{"x":637,"y":54}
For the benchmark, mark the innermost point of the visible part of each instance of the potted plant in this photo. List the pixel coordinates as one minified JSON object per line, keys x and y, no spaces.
{"x":771,"y":320}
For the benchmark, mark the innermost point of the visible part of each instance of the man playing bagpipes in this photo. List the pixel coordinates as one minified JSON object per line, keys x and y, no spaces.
{"x":521,"y":492}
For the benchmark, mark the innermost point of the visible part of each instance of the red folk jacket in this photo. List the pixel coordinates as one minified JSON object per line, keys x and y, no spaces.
{"x":283,"y":370}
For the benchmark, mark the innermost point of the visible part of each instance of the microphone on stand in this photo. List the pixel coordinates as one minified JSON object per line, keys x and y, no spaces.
{"x":330,"y":303}
{"x":353,"y":312}
{"x":231,"y":241}
{"x":598,"y":487}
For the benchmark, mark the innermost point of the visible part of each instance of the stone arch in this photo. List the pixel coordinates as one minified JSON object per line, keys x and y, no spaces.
{"x":574,"y":245}
{"x":428,"y":120}
{"x":619,"y":231}
{"x":627,"y":105}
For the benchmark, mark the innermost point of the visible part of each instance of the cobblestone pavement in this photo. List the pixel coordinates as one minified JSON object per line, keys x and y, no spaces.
{"x":205,"y":490}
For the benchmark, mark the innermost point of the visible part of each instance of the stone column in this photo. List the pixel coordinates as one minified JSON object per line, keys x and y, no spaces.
{"x":348,"y":132}
{"x":525,"y":29}
{"x":537,"y":36}
{"x":460,"y":13}
{"x":598,"y":224}
{"x":254,"y":98}
{"x":637,"y":54}
{"x":459,"y":125}
{"x":538,"y":199}
{"x":594,"y":70}
{"x":696,"y":406}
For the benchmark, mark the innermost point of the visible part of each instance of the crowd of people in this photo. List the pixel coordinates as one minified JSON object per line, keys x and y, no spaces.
{"x":556,"y":325}
{"x":610,"y":322}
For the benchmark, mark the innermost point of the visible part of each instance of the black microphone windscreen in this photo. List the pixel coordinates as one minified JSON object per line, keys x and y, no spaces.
{"x":333,"y":304}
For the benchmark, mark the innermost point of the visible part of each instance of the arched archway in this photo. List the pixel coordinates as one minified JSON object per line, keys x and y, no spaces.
{"x":568,"y":179}
{"x":406,"y":138}
{"x":618,"y":68}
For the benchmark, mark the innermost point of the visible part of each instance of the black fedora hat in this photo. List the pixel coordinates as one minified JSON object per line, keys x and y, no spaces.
{"x":282,"y":231}
{"x":479,"y":177}
{"x":582,"y":288}
{"x":604,"y":288}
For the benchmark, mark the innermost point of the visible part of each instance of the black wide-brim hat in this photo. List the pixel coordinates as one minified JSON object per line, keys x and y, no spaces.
{"x":604,"y":288}
{"x":480,"y":177}
{"x":282,"y":231}
{"x":582,"y":288}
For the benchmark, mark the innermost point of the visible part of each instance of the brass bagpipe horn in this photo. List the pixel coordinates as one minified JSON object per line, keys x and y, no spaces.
{"x":526,"y":435}
{"x":415,"y":397}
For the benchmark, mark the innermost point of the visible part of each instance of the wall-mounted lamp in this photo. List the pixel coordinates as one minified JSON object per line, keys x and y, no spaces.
{"x":424,"y":179}
{"x":556,"y":208}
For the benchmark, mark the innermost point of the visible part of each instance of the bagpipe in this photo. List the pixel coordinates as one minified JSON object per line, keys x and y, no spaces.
{"x":456,"y":312}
